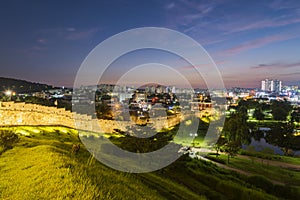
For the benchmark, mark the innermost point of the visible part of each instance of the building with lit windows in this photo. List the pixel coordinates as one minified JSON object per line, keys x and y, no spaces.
{"x":271,"y":85}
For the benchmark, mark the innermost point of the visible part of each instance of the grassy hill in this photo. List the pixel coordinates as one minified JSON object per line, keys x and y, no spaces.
{"x":41,"y":166}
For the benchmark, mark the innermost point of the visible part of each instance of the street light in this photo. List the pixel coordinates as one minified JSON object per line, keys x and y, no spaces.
{"x":8,"y":93}
{"x":193,"y":135}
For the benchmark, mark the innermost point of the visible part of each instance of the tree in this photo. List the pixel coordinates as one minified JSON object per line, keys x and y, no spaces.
{"x":7,"y":138}
{"x":280,"y":110}
{"x":242,"y":113}
{"x":258,"y":114}
{"x":236,"y":130}
{"x":231,"y":148}
{"x":282,"y":135}
{"x":219,"y":144}
{"x":143,"y":140}
{"x":248,"y":104}
{"x":279,"y":113}
{"x":103,"y":111}
{"x":288,"y":137}
{"x":295,"y":115}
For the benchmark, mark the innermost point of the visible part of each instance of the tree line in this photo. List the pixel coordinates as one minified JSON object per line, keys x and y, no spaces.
{"x":238,"y":129}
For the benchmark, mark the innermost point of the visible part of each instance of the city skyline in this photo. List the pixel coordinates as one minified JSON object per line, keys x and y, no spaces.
{"x":249,"y":41}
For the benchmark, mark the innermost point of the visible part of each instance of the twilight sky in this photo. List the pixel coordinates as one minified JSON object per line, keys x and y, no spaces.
{"x":46,"y":41}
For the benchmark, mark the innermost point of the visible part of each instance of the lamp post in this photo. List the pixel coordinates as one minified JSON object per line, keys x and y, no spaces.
{"x":193,"y":135}
{"x":8,"y":93}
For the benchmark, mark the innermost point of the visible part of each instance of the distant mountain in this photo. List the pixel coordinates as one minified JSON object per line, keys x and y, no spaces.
{"x":21,"y":86}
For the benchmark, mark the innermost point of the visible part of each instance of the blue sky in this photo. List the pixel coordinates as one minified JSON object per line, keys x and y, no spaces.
{"x":46,"y":41}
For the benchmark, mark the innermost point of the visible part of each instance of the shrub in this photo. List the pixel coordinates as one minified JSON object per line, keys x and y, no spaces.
{"x":7,"y":138}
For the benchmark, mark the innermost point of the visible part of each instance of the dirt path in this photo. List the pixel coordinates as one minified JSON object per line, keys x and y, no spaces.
{"x":228,"y":167}
{"x":272,"y":162}
{"x":261,"y":160}
{"x":238,"y":170}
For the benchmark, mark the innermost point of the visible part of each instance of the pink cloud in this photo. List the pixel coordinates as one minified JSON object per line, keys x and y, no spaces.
{"x":257,"y":43}
{"x":203,"y":8}
{"x":203,"y":65}
{"x":267,"y":23}
{"x":76,"y":35}
{"x":190,"y":11}
{"x":292,"y":74}
{"x":68,"y":33}
{"x":209,"y":42}
{"x":276,"y":65}
{"x":281,"y":4}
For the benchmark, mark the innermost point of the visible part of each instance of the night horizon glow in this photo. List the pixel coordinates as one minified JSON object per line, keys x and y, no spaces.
{"x":249,"y":41}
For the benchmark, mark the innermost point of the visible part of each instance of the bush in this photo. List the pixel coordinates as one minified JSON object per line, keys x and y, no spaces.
{"x":7,"y":138}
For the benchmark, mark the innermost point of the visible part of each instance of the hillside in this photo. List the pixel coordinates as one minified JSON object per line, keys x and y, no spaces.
{"x":21,"y":86}
{"x":41,"y":166}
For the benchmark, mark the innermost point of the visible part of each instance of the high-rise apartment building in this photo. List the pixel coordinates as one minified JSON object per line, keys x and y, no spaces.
{"x":271,"y":85}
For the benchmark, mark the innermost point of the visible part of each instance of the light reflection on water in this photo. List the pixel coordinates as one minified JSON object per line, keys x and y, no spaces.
{"x":262,"y":144}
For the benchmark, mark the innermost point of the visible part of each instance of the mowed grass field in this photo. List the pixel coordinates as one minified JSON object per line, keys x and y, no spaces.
{"x":41,"y":166}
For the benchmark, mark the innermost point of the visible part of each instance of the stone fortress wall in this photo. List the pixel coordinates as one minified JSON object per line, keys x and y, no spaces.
{"x":12,"y":114}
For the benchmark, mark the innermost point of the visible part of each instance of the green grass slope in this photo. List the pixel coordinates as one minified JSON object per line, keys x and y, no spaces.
{"x":41,"y":166}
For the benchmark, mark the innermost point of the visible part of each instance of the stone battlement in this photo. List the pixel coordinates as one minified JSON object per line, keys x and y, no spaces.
{"x":12,"y":114}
